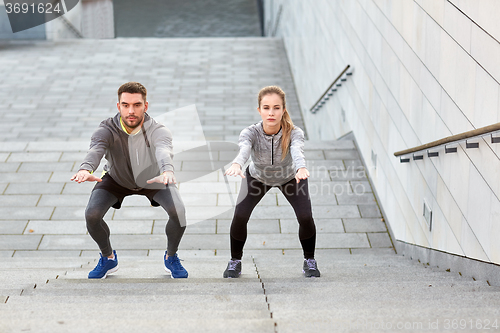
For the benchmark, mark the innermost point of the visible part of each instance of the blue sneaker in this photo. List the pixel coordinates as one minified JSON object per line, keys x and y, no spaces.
{"x":174,"y":267}
{"x":104,"y":267}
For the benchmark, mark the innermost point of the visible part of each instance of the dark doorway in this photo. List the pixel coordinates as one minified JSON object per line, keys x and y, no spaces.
{"x":187,"y":18}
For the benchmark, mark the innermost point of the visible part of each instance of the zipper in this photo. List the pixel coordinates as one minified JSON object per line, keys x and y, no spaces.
{"x":272,"y":150}
{"x":137,"y":155}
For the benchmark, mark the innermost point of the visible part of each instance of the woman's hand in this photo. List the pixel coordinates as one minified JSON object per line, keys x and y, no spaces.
{"x":234,"y":170}
{"x":302,"y":173}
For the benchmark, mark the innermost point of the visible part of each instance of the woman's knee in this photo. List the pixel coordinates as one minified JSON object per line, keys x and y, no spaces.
{"x":241,"y":214}
{"x":304,"y":217}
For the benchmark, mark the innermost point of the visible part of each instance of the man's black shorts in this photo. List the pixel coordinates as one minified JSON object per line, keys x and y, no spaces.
{"x":120,"y":192}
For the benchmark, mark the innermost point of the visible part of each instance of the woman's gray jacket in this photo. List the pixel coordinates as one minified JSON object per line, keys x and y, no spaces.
{"x":267,"y":165}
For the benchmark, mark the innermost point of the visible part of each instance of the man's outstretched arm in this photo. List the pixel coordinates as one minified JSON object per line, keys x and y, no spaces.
{"x":162,"y":138}
{"x":98,"y":144}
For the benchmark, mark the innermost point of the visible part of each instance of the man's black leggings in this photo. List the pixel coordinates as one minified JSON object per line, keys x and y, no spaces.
{"x":101,"y":200}
{"x":252,"y":192}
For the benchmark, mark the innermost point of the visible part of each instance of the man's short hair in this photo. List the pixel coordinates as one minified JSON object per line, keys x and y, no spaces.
{"x":132,"y":88}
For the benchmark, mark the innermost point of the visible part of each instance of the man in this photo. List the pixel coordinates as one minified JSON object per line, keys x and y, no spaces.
{"x":139,"y":155}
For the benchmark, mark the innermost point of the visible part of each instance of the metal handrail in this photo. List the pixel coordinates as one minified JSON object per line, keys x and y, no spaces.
{"x":278,"y":17}
{"x":330,"y":87}
{"x":453,"y":138}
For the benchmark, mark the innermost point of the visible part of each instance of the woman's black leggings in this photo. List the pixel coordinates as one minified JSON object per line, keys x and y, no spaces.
{"x":252,"y":192}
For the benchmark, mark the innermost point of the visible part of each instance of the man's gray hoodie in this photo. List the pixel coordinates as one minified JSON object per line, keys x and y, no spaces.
{"x":131,"y":158}
{"x":266,"y":165}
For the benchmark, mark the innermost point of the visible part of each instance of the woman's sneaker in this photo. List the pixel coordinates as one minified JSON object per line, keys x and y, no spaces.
{"x":104,"y":267}
{"x":310,"y":268}
{"x":174,"y":267}
{"x":233,"y":269}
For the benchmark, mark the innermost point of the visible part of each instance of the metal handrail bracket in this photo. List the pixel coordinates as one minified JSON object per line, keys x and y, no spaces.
{"x":331,"y":89}
{"x":455,"y":138}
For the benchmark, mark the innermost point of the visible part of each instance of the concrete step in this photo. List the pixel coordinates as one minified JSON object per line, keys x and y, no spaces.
{"x":410,"y":318}
{"x":111,"y":287}
{"x":329,"y":145}
{"x":383,"y":288}
{"x":123,"y":317}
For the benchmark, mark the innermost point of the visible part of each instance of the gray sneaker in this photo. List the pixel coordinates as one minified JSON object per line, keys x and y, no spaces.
{"x":233,"y":269}
{"x":310,"y":268}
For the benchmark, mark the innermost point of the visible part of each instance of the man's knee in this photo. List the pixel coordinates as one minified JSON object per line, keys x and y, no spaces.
{"x":93,"y":217}
{"x":178,"y":213}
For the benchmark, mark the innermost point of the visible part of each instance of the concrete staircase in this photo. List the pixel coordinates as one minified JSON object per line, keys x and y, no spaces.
{"x":358,"y":292}
{"x":46,"y":253}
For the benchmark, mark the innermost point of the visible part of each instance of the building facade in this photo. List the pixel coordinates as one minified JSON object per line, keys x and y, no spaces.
{"x":422,"y":70}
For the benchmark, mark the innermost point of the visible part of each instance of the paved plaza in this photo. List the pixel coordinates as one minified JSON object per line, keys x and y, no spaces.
{"x":56,"y":93}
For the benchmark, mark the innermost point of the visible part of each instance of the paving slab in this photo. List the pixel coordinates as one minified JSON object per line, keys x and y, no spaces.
{"x":3,"y":187}
{"x":328,"y":189}
{"x":158,"y":213}
{"x":4,"y":157}
{"x":38,"y":177}
{"x":254,"y":226}
{"x":322,"y":225}
{"x":364,"y":225}
{"x":75,"y":188}
{"x":12,"y":146}
{"x":65,"y":146}
{"x":6,"y":254}
{"x":61,"y":176}
{"x":356,"y":199}
{"x":19,"y":200}
{"x":34,"y":188}
{"x":14,"y":213}
{"x":52,"y":200}
{"x":34,"y":157}
{"x":360,"y":186}
{"x":67,"y":242}
{"x":75,"y":213}
{"x":9,"y":167}
{"x":317,"y":199}
{"x":193,"y":227}
{"x":123,"y":254}
{"x":342,"y":155}
{"x":37,"y":254}
{"x":329,"y":145}
{"x":54,"y":227}
{"x":379,"y":239}
{"x":19,"y":242}
{"x":270,"y":199}
{"x":369,"y":211}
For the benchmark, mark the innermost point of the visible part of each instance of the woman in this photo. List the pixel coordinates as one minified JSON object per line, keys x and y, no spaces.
{"x":276,"y":147}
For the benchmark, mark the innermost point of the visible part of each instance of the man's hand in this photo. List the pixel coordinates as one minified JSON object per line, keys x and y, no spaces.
{"x":302,"y":173}
{"x":85,"y":176}
{"x":234,"y":170}
{"x":165,"y":178}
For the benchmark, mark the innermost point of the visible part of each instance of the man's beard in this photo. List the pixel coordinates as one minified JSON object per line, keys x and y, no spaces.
{"x":138,"y":122}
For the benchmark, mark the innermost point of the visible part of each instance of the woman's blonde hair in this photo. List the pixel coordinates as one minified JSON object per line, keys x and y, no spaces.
{"x":286,"y":122}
